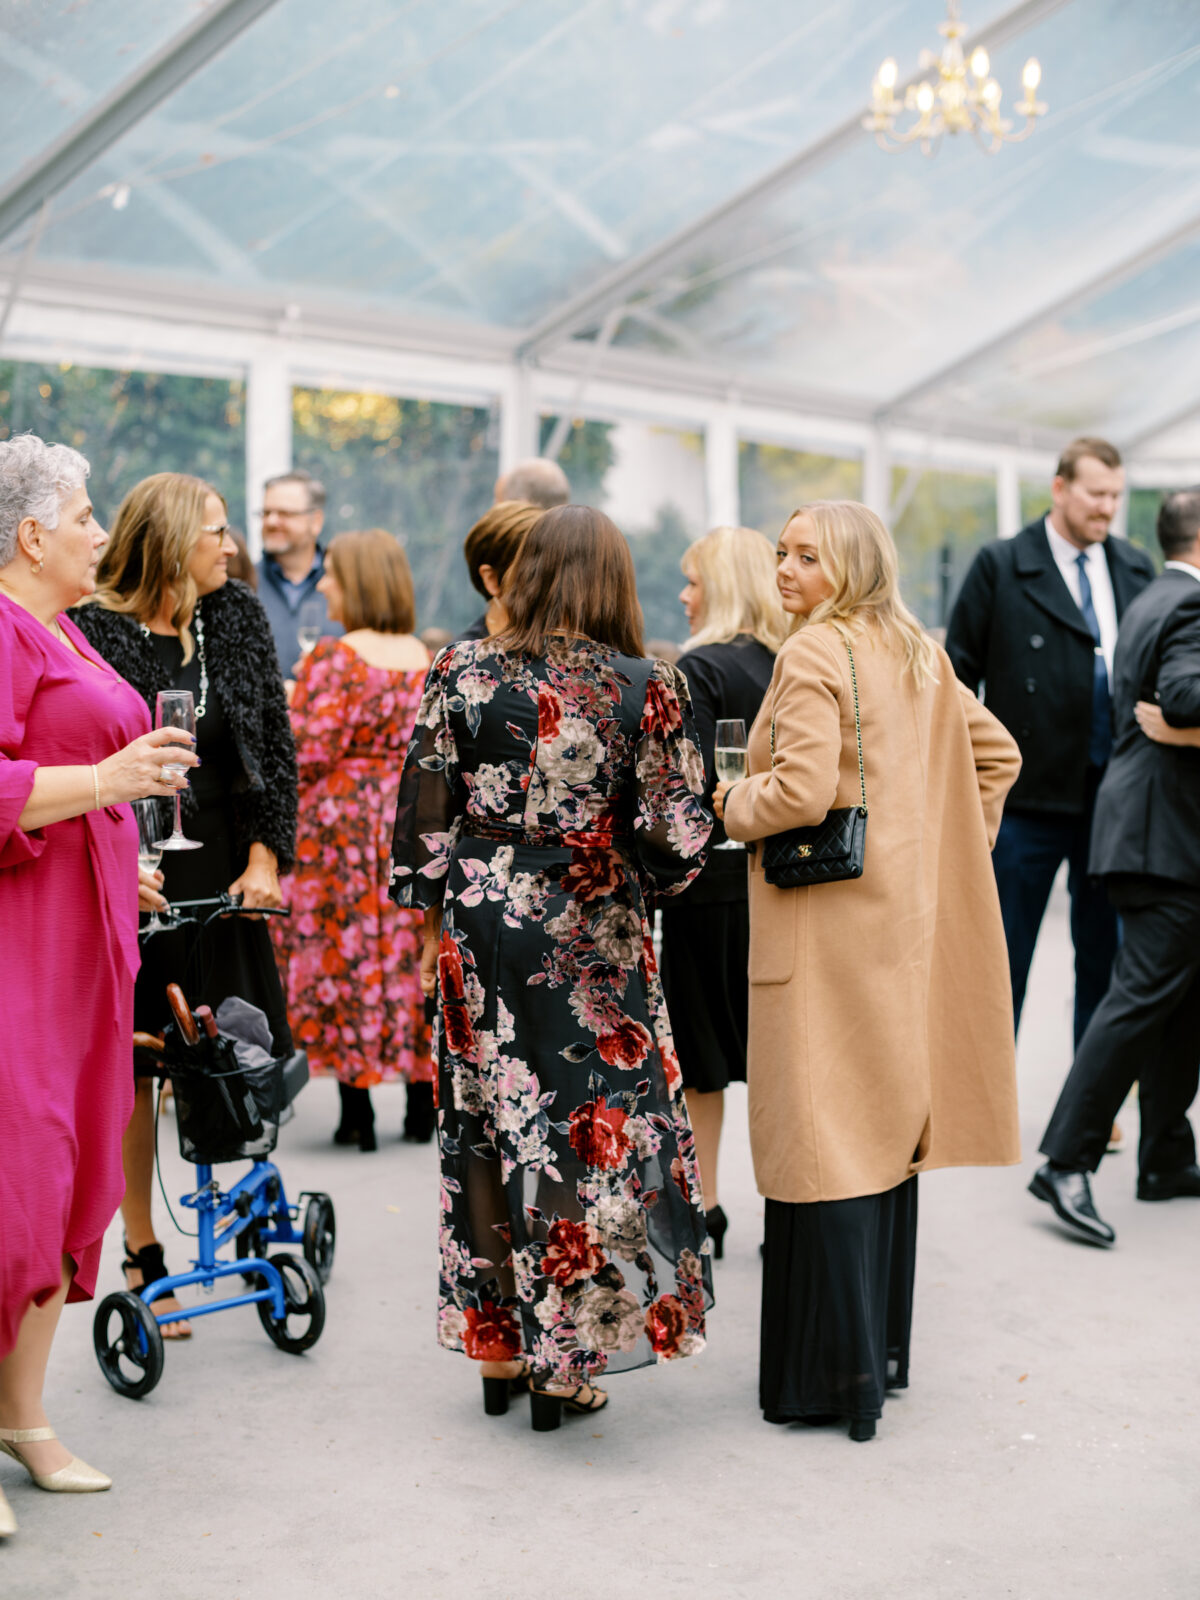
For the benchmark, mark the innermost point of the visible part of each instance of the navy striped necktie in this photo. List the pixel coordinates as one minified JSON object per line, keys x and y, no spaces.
{"x":1100,"y":738}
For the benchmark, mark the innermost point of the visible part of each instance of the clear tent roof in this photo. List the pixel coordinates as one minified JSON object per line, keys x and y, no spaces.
{"x":685,"y":179}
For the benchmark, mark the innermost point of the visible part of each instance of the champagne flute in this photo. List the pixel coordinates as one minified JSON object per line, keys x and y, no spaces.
{"x":175,"y":708}
{"x":729,"y":758}
{"x":311,"y":619}
{"x":150,"y":849}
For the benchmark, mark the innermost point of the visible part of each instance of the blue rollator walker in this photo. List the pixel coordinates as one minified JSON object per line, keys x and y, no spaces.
{"x":226,"y":1111}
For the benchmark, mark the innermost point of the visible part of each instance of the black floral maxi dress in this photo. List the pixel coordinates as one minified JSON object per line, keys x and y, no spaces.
{"x":541,"y":800}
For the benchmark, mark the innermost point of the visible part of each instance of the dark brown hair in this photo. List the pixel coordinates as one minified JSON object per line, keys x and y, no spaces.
{"x":1099,"y":449}
{"x":496,"y":538}
{"x":374,"y":576}
{"x":574,"y":574}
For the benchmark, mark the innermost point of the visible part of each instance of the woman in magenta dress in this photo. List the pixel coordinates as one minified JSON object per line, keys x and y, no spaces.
{"x":351,"y":958}
{"x":74,"y":747}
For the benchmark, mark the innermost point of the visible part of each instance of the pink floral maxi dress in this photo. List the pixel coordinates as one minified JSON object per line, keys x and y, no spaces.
{"x":350,"y":959}
{"x":544,"y":802}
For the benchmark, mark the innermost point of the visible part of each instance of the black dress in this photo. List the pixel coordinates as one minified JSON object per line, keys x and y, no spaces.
{"x":706,"y":929}
{"x":232,"y":957}
{"x":837,"y":1305}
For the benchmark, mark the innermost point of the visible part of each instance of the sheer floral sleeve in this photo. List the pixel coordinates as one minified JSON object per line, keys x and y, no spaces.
{"x":672,"y":824}
{"x":432,"y":798}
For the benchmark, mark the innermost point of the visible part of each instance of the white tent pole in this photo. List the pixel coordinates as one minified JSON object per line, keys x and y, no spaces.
{"x":268,"y":432}
{"x":1008,"y":497}
{"x":877,"y":474}
{"x":721,"y":468}
{"x":518,"y":419}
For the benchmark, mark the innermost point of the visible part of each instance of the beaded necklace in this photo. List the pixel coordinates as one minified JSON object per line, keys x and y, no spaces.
{"x":198,"y":624}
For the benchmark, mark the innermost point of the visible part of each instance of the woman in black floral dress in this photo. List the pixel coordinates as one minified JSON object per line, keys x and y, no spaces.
{"x":551,"y":787}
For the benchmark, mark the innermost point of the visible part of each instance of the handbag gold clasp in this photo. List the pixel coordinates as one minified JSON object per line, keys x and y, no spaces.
{"x":803,"y":850}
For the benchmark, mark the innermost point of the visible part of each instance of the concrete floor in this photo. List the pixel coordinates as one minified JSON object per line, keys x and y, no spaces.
{"x":1047,"y":1450}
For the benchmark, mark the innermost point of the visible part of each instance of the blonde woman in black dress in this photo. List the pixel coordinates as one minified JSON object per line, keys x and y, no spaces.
{"x":737,"y":624}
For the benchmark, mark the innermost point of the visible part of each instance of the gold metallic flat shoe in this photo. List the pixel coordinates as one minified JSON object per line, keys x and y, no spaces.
{"x":75,"y":1478}
{"x":8,"y":1523}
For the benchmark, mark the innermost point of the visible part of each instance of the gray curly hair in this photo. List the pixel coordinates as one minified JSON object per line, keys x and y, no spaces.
{"x":35,"y":479}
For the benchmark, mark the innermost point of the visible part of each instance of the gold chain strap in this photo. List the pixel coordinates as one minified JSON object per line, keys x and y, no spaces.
{"x":862,"y":781}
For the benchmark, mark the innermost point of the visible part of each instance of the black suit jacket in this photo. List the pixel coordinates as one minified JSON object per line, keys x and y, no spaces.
{"x":1148,"y":810}
{"x":1016,"y":631}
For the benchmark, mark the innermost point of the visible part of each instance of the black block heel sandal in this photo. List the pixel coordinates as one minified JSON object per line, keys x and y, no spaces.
{"x":496,"y":1391}
{"x":545,"y":1411}
{"x":495,"y":1396}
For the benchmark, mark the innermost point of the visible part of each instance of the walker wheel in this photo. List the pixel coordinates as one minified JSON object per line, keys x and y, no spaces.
{"x":248,"y":1244}
{"x":132,"y":1361}
{"x":320,"y":1234}
{"x":301,"y":1326}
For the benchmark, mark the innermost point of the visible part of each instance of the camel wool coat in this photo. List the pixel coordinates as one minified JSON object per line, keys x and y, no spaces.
{"x":881,"y":1027}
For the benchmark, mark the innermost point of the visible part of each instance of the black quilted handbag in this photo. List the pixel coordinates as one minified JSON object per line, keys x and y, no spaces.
{"x":834,"y":849}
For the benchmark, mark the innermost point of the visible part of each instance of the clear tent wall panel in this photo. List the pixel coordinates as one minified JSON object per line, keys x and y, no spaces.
{"x":1113,"y":365}
{"x":422,"y":470}
{"x":59,"y":58}
{"x":874,"y":271}
{"x":474,"y":159}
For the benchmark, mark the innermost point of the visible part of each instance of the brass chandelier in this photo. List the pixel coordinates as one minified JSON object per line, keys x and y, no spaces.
{"x":965,"y":98}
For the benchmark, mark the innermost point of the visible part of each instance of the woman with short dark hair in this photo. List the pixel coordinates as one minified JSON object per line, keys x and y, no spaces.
{"x":350,"y":958}
{"x":489,"y":550}
{"x":552,"y":789}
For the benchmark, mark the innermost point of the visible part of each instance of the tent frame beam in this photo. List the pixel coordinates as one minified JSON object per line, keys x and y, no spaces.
{"x":99,"y":129}
{"x":1079,"y":294}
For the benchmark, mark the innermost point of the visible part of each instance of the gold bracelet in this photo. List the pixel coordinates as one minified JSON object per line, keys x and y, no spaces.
{"x":96,"y":785}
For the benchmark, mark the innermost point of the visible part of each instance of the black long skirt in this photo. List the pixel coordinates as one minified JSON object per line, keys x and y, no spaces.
{"x":705,"y":954}
{"x":229,"y":957}
{"x":837,"y":1305}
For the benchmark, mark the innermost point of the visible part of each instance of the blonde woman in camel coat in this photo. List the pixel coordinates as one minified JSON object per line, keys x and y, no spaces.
{"x":881,"y":1039}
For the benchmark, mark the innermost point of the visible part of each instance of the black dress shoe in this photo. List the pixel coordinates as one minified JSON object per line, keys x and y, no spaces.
{"x":1184,"y":1181}
{"x":1070,"y":1195}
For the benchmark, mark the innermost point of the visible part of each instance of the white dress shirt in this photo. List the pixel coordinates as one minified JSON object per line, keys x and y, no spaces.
{"x":1066,"y":558}
{"x":1184,"y":566}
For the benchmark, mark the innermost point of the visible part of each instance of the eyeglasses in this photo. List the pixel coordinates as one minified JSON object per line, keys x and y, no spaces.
{"x":274,"y":511}
{"x":215,"y":527}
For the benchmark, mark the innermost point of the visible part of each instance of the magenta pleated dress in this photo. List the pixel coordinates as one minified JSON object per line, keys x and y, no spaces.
{"x":68,"y":959}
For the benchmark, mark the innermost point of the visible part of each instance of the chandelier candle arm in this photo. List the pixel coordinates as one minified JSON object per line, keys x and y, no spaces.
{"x":964,"y":99}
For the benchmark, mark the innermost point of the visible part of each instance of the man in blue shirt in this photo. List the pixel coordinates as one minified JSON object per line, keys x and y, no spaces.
{"x":292,"y":517}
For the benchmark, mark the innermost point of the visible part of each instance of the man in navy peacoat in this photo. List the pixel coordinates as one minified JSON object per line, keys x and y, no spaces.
{"x":1035,"y":627}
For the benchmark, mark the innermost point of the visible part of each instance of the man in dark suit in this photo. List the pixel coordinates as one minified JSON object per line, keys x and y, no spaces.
{"x":1035,"y":624}
{"x":1146,"y":848}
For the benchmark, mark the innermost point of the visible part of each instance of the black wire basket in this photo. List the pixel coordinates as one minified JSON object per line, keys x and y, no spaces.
{"x":224,"y":1111}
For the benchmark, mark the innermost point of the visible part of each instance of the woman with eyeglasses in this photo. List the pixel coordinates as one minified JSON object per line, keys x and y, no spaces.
{"x":166,"y":615}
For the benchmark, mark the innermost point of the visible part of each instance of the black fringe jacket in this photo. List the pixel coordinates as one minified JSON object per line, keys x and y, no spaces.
{"x":243,"y":673}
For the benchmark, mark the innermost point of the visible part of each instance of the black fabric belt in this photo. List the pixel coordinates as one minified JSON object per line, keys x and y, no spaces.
{"x":547,"y":838}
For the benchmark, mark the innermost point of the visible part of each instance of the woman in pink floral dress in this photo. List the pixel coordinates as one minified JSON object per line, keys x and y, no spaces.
{"x":350,"y":958}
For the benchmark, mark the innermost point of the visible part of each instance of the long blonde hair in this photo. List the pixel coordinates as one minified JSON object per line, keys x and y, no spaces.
{"x":150,"y":548}
{"x":736,"y":569}
{"x":858,"y":557}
